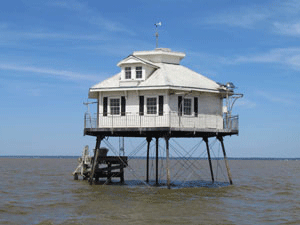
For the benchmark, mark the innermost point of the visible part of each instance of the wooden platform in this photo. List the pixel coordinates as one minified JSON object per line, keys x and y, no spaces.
{"x":110,"y":167}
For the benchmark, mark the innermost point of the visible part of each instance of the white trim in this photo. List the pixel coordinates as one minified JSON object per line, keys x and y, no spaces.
{"x":136,"y":60}
{"x":165,"y":87}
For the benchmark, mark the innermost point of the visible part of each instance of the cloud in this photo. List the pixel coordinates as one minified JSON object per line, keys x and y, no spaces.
{"x":290,"y":29}
{"x":8,"y":35}
{"x":286,"y":56}
{"x":289,"y":7}
{"x":51,"y":36}
{"x":245,"y":103}
{"x":56,"y":73}
{"x":275,"y":98}
{"x":243,"y":17}
{"x":91,"y":16}
{"x":279,"y":16}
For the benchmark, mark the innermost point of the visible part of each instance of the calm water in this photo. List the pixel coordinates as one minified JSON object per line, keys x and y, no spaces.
{"x":42,"y":191}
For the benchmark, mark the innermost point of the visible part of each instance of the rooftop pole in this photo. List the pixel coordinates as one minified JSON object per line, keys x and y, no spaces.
{"x":156,"y":32}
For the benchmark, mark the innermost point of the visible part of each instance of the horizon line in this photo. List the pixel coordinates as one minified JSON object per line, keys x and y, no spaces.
{"x":144,"y":157}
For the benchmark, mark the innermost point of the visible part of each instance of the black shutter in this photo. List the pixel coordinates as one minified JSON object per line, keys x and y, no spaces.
{"x":104,"y":106}
{"x":123,"y":106}
{"x":196,"y":106}
{"x":179,"y":105}
{"x":160,"y":105}
{"x":141,"y":105}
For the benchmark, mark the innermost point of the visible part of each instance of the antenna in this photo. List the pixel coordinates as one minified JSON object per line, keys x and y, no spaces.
{"x":156,"y":32}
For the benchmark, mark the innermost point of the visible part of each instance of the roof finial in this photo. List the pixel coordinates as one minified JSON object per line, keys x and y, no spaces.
{"x":156,"y":33}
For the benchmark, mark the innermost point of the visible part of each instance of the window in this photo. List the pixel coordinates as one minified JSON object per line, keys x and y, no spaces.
{"x":138,"y":72}
{"x":114,"y":106}
{"x":187,"y":106}
{"x":127,"y":72}
{"x":151,"y":106}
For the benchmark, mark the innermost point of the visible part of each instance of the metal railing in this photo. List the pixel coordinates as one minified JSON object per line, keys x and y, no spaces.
{"x":231,"y":123}
{"x":171,"y":120}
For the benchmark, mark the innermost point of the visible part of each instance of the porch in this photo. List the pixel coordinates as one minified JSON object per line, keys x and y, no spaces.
{"x":133,"y":124}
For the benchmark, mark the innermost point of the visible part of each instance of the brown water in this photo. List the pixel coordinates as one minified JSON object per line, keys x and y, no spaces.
{"x":42,"y":191}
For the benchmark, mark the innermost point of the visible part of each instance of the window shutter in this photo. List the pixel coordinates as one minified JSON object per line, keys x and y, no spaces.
{"x":196,"y":106}
{"x":123,"y":106}
{"x":160,"y":105}
{"x":104,"y":106}
{"x":179,"y":105}
{"x":141,"y":105}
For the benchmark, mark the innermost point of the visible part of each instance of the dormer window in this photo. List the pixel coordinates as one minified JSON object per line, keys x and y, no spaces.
{"x":138,"y":72}
{"x":127,"y":72}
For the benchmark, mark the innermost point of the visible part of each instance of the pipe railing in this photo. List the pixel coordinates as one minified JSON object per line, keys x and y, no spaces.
{"x":172,"y":120}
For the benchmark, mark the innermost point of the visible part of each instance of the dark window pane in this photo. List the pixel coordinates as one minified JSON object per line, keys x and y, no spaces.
{"x":127,"y":72}
{"x":114,"y":106}
{"x":187,"y":106}
{"x":151,"y":106}
{"x":139,"y":73}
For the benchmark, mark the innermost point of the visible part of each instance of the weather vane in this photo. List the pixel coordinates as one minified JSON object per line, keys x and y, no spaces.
{"x":156,"y":33}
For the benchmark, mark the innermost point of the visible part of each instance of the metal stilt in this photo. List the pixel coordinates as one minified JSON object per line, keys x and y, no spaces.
{"x":168,"y":169}
{"x":220,"y":138}
{"x":148,"y":151}
{"x":209,"y":159}
{"x":156,"y":162}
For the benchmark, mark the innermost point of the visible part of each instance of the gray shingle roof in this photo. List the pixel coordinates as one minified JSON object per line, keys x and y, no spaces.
{"x":167,"y":75}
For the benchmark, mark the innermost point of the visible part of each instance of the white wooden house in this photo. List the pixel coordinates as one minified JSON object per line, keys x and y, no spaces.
{"x":153,"y":92}
{"x":153,"y":96}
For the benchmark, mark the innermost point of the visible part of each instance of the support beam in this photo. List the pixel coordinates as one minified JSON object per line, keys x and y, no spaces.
{"x":220,"y":138}
{"x":156,"y":163}
{"x":96,"y":154}
{"x":168,"y":163}
{"x":209,"y":159}
{"x":149,"y":139}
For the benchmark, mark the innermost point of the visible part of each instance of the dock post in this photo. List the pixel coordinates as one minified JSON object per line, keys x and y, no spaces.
{"x":156,"y":161}
{"x":122,"y":175}
{"x":168,"y":163}
{"x":148,"y":151}
{"x":220,"y":138}
{"x":96,"y":154}
{"x":109,"y":175}
{"x":209,"y":159}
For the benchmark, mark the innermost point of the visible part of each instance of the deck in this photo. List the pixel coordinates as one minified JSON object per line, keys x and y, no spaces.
{"x":171,"y":125}
{"x":157,"y":132}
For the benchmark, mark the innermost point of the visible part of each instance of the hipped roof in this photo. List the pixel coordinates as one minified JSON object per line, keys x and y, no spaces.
{"x":166,"y":76}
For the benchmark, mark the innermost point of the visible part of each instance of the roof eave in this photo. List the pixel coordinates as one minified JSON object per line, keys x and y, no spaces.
{"x":162,"y":87}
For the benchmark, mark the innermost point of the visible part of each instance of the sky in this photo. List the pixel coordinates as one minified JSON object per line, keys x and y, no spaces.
{"x":52,"y":52}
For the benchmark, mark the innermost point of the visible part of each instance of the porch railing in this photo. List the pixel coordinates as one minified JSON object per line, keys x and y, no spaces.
{"x":172,"y":120}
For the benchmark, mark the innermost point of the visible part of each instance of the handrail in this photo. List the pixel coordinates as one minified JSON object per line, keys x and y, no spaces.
{"x":171,"y":119}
